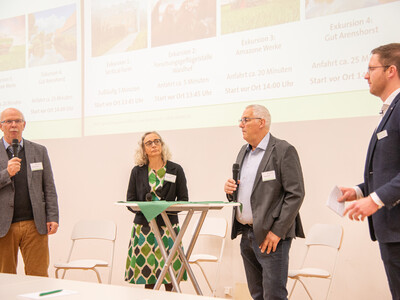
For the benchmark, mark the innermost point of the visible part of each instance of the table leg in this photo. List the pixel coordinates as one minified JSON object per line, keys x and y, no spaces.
{"x":177,"y":241}
{"x":191,"y":246}
{"x":166,"y":267}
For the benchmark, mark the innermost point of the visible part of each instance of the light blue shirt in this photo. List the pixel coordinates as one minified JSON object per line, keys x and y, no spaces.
{"x":248,"y":172}
{"x":21,"y":144}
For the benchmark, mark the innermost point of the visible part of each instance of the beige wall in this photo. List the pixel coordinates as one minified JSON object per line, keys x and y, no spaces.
{"x":92,"y":174}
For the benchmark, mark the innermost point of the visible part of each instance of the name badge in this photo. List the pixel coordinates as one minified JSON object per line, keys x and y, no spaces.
{"x":382,"y":134}
{"x":268,"y":176}
{"x":38,"y":166}
{"x":170,"y":177}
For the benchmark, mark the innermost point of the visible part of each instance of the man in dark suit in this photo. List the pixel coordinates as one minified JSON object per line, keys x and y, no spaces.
{"x":271,"y":190}
{"x":377,"y":197}
{"x":28,"y":199}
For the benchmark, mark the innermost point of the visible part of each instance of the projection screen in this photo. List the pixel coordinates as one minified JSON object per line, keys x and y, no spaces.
{"x":82,"y":68}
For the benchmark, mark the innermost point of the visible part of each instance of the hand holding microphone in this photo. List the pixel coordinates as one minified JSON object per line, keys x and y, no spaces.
{"x":14,"y":164}
{"x":232,"y":183}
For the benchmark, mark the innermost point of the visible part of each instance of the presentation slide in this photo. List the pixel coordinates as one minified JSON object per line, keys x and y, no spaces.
{"x":95,"y":67}
{"x":40,"y":65}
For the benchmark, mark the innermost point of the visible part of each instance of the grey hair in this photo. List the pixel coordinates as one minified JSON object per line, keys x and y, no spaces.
{"x":141,"y":158}
{"x":261,"y":111}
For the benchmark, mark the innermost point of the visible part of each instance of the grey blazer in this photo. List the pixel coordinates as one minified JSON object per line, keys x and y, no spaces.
{"x":41,"y":188}
{"x":275,"y":203}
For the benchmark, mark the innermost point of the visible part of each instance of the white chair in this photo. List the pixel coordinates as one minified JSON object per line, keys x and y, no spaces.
{"x":213,"y":228}
{"x":89,"y":230}
{"x":326,"y":235}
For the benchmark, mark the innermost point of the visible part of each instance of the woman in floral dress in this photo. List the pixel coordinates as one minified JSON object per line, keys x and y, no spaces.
{"x":154,"y":173}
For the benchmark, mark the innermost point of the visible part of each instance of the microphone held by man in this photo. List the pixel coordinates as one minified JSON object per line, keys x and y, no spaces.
{"x":15,"y":147}
{"x":235,"y":177}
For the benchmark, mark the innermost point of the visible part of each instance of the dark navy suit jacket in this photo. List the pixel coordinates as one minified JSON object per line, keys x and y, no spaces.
{"x":382,"y":175}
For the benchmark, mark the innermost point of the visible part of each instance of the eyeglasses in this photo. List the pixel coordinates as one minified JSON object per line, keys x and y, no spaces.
{"x":9,"y":122}
{"x":377,"y":67}
{"x":155,"y":142}
{"x":245,"y":120}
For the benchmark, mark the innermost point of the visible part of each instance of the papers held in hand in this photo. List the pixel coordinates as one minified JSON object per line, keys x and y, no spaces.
{"x":332,"y":203}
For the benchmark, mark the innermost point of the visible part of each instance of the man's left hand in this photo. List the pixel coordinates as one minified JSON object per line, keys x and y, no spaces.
{"x":52,"y":227}
{"x":363,"y":207}
{"x":270,"y":243}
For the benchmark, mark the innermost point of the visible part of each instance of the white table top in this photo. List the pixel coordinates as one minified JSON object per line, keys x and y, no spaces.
{"x":12,"y":286}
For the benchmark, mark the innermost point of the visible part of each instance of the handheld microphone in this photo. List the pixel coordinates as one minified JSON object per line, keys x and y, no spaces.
{"x":15,"y":147}
{"x":149,"y":197}
{"x":235,"y":176}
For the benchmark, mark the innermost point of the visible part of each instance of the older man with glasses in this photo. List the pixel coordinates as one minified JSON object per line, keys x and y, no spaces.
{"x":271,"y":190}
{"x":28,"y":199}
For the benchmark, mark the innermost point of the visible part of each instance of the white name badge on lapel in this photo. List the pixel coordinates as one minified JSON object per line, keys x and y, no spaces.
{"x":38,"y":166}
{"x":170,"y":177}
{"x":268,"y":176}
{"x":382,"y":134}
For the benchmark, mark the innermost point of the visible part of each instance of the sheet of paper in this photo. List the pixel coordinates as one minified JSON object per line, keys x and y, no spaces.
{"x":332,"y":203}
{"x":36,"y":295}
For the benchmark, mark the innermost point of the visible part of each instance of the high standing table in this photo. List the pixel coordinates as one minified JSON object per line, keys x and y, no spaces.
{"x":191,"y":208}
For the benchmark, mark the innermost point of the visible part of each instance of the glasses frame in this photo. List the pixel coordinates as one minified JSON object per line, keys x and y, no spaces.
{"x":245,"y":120}
{"x":9,"y":122}
{"x":156,"y":142}
{"x":376,"y":67}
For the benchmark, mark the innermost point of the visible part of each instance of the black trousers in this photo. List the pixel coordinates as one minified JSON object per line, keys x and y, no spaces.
{"x":390,"y":253}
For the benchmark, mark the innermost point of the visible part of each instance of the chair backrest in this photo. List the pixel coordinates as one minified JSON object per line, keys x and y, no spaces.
{"x":214,"y":227}
{"x":326,"y":235}
{"x":94,"y":229}
{"x":330,"y":235}
{"x":217,"y":228}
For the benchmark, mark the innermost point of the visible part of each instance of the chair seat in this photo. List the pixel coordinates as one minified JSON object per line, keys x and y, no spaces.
{"x":202,"y":257}
{"x":309,"y":272}
{"x":82,"y":264}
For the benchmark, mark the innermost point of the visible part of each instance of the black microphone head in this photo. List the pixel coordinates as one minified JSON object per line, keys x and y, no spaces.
{"x":235,"y":172}
{"x":235,"y":177}
{"x":15,"y":145}
{"x":148,"y":197}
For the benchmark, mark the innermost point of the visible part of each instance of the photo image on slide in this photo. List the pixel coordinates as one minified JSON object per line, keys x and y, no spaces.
{"x":317,"y":8}
{"x":241,"y":15}
{"x":177,"y":21}
{"x":12,"y":43}
{"x":118,"y":26}
{"x":52,"y":36}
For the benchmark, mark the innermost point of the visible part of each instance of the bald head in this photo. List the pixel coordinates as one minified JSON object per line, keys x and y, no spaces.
{"x":12,"y":124}
{"x":11,"y":110}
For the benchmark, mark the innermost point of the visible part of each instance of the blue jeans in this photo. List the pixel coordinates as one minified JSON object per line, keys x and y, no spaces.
{"x":266,"y":273}
{"x":390,"y":254}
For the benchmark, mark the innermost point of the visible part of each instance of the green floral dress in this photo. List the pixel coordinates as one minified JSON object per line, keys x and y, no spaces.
{"x":145,"y":262}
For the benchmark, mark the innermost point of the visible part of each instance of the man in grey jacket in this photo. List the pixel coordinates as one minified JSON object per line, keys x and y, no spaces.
{"x":271,"y":190}
{"x":28,"y":199}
